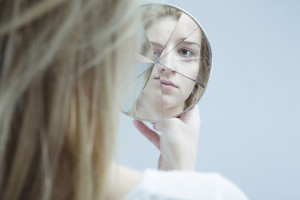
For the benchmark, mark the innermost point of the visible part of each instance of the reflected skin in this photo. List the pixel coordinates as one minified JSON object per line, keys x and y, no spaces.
{"x":167,"y":85}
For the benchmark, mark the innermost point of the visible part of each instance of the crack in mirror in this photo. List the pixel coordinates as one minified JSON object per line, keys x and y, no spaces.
{"x":173,"y":64}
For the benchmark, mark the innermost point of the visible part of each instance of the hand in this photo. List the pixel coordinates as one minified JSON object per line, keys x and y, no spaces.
{"x":178,"y":140}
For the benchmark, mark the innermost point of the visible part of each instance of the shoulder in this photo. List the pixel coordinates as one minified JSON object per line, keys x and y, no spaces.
{"x":184,"y":185}
{"x":120,"y":181}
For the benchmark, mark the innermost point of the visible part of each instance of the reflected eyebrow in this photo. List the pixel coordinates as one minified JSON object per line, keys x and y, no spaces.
{"x":190,"y":43}
{"x":156,"y":44}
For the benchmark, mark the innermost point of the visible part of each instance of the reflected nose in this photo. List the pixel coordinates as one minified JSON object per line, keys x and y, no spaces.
{"x":165,"y":69}
{"x":167,"y":64}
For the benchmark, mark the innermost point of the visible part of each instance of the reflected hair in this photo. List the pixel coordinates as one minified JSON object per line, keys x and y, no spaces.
{"x":61,"y":67}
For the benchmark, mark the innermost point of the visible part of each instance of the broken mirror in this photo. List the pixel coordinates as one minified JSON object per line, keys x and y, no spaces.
{"x":172,"y":64}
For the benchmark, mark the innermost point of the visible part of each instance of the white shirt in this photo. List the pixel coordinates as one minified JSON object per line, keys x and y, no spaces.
{"x":179,"y":185}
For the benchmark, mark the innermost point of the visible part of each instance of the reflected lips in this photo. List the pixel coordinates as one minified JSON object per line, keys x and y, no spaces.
{"x":166,"y":83}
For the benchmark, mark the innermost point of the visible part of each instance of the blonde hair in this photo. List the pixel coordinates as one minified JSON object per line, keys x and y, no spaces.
{"x":61,"y":65}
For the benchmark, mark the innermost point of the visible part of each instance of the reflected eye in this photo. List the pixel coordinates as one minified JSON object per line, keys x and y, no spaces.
{"x":156,"y":55}
{"x":185,"y":52}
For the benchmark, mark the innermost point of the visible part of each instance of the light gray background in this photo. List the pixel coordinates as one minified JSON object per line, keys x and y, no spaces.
{"x":250,"y":111}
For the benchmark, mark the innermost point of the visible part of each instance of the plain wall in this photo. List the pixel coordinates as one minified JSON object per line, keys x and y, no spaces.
{"x":250,"y":111}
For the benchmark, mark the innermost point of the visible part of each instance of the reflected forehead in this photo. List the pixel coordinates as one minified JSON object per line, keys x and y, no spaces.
{"x":187,"y":21}
{"x":161,"y":29}
{"x":194,"y":37}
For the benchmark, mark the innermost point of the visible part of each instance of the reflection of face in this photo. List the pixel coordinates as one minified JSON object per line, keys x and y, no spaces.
{"x":178,"y":57}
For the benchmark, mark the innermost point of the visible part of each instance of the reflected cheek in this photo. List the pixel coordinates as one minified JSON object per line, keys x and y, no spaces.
{"x":191,"y":70}
{"x":186,"y":88}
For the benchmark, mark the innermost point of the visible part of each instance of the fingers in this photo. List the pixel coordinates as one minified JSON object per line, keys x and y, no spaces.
{"x":152,"y":136}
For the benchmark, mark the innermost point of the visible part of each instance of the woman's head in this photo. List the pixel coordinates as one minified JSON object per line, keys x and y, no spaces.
{"x":182,"y":58}
{"x":61,"y":65}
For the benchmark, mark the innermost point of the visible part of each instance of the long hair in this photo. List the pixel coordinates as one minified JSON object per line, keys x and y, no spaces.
{"x":61,"y":67}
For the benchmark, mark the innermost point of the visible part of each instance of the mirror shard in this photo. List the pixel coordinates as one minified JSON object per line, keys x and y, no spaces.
{"x":172,"y":65}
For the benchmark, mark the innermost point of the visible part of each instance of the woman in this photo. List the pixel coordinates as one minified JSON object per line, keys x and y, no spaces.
{"x":182,"y":61}
{"x":61,"y":67}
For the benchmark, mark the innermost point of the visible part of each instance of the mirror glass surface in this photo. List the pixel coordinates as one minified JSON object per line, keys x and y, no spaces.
{"x":172,"y":65}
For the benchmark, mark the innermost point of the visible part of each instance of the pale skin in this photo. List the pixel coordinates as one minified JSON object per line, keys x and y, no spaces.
{"x":177,"y":144}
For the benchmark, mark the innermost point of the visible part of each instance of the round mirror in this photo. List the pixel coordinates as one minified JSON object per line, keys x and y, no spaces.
{"x":172,"y":65}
